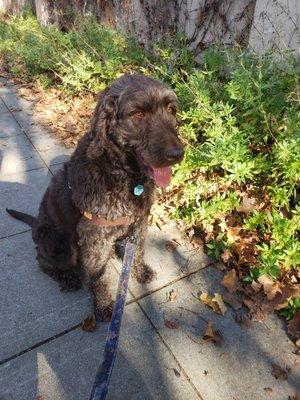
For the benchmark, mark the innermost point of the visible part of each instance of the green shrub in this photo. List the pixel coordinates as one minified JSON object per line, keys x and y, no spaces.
{"x":242,"y":126}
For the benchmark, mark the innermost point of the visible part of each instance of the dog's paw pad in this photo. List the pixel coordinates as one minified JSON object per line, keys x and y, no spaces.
{"x":145,"y":274}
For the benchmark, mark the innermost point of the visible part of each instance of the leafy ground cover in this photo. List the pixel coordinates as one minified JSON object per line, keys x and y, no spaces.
{"x":238,"y":189}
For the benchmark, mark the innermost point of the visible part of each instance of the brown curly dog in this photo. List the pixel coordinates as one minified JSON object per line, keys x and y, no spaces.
{"x":105,"y":192}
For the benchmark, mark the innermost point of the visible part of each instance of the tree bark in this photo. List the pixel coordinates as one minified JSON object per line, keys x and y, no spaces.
{"x":202,"y":21}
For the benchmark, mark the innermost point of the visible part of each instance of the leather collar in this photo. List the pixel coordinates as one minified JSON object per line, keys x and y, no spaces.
{"x":98,"y":220}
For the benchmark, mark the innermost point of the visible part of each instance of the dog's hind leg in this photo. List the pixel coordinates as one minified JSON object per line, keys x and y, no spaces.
{"x":57,"y":256}
{"x":68,"y":279}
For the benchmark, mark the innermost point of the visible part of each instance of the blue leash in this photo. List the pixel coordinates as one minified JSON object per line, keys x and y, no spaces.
{"x":103,"y":375}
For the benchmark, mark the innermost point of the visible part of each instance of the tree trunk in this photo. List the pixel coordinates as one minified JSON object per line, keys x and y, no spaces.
{"x":202,"y":21}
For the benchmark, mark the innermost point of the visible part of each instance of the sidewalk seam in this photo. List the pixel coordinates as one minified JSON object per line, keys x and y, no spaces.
{"x":14,"y":234}
{"x":172,"y":354}
{"x":4,"y":361}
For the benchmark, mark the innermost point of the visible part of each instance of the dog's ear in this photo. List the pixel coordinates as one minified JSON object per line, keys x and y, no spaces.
{"x":104,"y":112}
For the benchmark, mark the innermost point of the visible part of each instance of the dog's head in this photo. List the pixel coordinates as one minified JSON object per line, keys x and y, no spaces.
{"x":138,"y":114}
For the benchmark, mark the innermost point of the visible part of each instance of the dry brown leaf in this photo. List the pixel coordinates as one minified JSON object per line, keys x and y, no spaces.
{"x":171,"y":295}
{"x":171,"y":324}
{"x":281,"y":299}
{"x":216,"y":302}
{"x":248,"y":204}
{"x":230,"y":281}
{"x":89,"y":324}
{"x":298,"y":343}
{"x":246,"y":251}
{"x":294,"y":326}
{"x":171,"y":245}
{"x":233,"y":300}
{"x":256,"y":286}
{"x":226,"y":256}
{"x":279,"y":373}
{"x":211,"y":335}
{"x":271,"y":288}
{"x":233,"y":233}
{"x":297,"y":396}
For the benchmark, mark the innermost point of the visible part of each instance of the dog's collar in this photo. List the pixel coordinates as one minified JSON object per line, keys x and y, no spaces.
{"x":98,"y":220}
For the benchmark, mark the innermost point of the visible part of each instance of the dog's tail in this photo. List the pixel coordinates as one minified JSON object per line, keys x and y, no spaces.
{"x":28,"y":219}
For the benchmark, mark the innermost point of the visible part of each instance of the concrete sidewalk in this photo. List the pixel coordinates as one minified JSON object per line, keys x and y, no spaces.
{"x":45,"y":355}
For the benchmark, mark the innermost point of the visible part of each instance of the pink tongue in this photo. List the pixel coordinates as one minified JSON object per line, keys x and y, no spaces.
{"x":162,"y":176}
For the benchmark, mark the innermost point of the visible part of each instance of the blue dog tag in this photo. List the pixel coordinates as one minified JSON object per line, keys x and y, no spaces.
{"x":138,"y":190}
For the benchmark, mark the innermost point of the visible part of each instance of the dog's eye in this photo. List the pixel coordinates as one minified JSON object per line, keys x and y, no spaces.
{"x":171,"y":109}
{"x":138,"y":114}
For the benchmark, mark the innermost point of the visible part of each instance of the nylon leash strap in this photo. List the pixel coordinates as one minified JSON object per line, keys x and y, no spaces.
{"x":103,"y":375}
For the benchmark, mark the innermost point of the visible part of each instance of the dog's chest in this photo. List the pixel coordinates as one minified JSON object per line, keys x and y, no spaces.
{"x":122,"y":200}
{"x":130,"y":201}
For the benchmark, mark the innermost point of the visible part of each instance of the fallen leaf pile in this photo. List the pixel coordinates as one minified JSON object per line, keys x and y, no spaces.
{"x":270,"y":287}
{"x":66,"y":117}
{"x":261,"y":297}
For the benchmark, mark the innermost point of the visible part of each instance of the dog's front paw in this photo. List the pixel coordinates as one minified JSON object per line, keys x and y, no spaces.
{"x":103,"y":313}
{"x":144,"y":274}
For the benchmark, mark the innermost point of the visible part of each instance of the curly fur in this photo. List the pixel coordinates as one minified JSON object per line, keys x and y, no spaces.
{"x":133,"y":126}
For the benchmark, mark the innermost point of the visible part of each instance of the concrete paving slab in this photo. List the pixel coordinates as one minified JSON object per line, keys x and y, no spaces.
{"x":50,"y":149}
{"x":23,"y":192}
{"x":3,"y":108}
{"x":32,"y":307}
{"x":241,"y":368}
{"x":16,"y":155}
{"x":29,"y":122}
{"x":9,"y":126}
{"x":64,"y":369}
{"x":16,"y":103}
{"x":168,"y":265}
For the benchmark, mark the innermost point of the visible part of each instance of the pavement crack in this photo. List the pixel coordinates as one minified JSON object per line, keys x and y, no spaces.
{"x":137,"y":298}
{"x":40,"y":344}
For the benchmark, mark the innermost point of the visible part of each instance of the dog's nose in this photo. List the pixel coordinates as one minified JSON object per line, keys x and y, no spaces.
{"x":174,"y":153}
